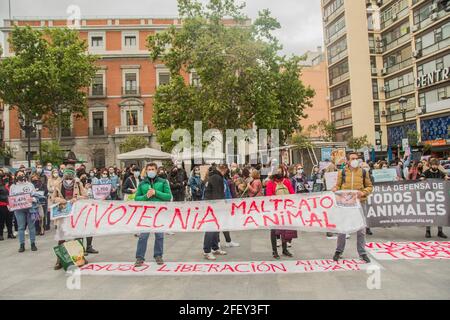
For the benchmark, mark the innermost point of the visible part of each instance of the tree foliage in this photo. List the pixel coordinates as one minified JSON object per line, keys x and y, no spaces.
{"x":327,"y":130}
{"x":132,"y":143}
{"x":48,"y":73}
{"x":51,"y":152}
{"x":356,"y":143}
{"x":243,"y":79}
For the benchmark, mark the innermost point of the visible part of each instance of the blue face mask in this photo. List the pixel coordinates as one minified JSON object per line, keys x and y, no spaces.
{"x":151,"y":174}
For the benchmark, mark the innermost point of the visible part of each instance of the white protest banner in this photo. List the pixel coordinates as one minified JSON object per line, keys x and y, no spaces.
{"x":331,"y":179}
{"x":423,"y":250}
{"x":384,"y":175}
{"x":60,"y":211}
{"x":366,"y":154}
{"x":20,"y":201}
{"x":223,"y":268}
{"x":309,"y":212}
{"x":101,"y":191}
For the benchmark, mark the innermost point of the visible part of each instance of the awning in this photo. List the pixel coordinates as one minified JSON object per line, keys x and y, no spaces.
{"x":145,"y":154}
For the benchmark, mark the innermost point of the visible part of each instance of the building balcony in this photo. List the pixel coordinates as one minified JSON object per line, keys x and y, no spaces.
{"x":340,"y":78}
{"x":338,"y":57}
{"x":334,"y":15}
{"x":399,"y":66}
{"x":97,"y":132}
{"x":131,"y":130}
{"x":128,"y":92}
{"x":399,"y":41}
{"x":397,"y":115}
{"x":444,"y":44}
{"x":434,"y":17}
{"x":343,"y":122}
{"x":395,"y":18}
{"x":337,"y":102}
{"x":97,"y":92}
{"x":335,"y":36}
{"x":399,"y":91}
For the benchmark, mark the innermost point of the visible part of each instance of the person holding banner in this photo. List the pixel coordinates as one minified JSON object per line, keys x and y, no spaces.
{"x":23,"y":189}
{"x":196,"y":184}
{"x":152,"y":188}
{"x":5,"y":215}
{"x":279,"y":185}
{"x":104,"y":181}
{"x":69,"y":190}
{"x":434,"y":173}
{"x":353,"y":177}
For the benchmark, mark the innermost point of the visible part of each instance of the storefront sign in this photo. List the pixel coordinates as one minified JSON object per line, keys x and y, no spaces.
{"x":433,"y":77}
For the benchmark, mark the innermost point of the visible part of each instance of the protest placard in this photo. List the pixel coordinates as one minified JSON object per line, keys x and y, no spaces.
{"x":338,"y":156}
{"x":20,"y":201}
{"x":325,"y":154}
{"x":308,"y":212}
{"x":331,"y":179}
{"x":384,"y":175}
{"x":101,"y":191}
{"x":60,"y":211}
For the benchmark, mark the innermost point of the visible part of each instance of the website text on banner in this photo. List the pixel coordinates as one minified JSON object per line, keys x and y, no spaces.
{"x":409,"y":203}
{"x":327,"y":211}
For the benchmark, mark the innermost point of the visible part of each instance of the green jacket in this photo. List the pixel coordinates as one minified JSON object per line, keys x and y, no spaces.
{"x":161,"y":186}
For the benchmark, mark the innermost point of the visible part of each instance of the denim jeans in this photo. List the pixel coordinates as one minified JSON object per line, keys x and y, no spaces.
{"x":360,"y":241}
{"x":142,"y":245}
{"x":210,"y":242}
{"x":23,"y":218}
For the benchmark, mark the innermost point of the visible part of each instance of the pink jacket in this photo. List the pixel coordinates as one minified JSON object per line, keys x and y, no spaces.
{"x":255,"y":188}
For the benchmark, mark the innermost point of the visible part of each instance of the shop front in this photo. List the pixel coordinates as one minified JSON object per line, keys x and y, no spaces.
{"x":436,"y":132}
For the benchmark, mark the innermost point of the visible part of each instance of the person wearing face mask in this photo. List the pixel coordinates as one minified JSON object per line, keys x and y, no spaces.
{"x":52,"y":183}
{"x":48,"y":170}
{"x":152,"y":189}
{"x":434,"y":173}
{"x":6,"y":217}
{"x":353,"y":177}
{"x":104,"y":179}
{"x":114,"y":183}
{"x":61,"y":170}
{"x":44,"y":182}
{"x":299,"y":181}
{"x":131,"y":184}
{"x":178,"y":181}
{"x":280,"y":185}
{"x":162,"y":173}
{"x":91,"y":176}
{"x":318,"y":180}
{"x":24,"y":217}
{"x":196,"y":184}
{"x":70,"y":190}
{"x":39,"y":186}
{"x":415,"y":171}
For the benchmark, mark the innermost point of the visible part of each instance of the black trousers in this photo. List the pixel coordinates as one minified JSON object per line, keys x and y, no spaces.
{"x":210,"y":242}
{"x":226,"y":234}
{"x":6,"y":217}
{"x":273,"y":240}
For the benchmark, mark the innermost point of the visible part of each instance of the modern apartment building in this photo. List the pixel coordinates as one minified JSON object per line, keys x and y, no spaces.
{"x":120,"y":97}
{"x":388,"y":70}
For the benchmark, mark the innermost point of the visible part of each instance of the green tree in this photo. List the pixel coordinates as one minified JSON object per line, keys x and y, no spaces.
{"x":47,"y":76}
{"x":243,"y":80}
{"x":357,"y":143}
{"x":132,"y":143}
{"x":51,"y":152}
{"x":327,"y":130}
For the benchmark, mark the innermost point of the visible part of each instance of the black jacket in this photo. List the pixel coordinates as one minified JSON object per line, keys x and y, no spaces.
{"x":214,"y":187}
{"x":130,"y":183}
{"x":429,"y":174}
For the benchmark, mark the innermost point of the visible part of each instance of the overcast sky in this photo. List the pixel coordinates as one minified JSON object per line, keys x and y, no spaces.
{"x":300,"y":19}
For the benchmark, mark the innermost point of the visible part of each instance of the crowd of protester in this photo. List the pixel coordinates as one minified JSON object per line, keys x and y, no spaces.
{"x":52,"y":184}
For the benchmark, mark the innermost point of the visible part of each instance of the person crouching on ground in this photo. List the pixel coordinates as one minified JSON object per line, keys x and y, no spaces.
{"x":152,"y":188}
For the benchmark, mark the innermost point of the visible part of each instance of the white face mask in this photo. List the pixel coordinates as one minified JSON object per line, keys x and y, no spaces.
{"x":354,"y":163}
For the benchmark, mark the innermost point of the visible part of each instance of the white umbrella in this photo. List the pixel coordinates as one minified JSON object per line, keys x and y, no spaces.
{"x":145,"y":154}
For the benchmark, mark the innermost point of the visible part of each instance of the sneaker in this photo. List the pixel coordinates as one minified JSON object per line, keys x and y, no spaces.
{"x":159,"y":260}
{"x":365,"y":258}
{"x":287,"y":253}
{"x":15,"y":233}
{"x":219,"y":252}
{"x":337,"y":256}
{"x":331,"y":236}
{"x":442,"y":235}
{"x":276,"y":255}
{"x":91,"y":250}
{"x":11,"y":236}
{"x":278,"y":243}
{"x":232,"y":244}
{"x":428,"y":234}
{"x":347,"y":236}
{"x":1,"y":238}
{"x":209,"y":256}
{"x":136,"y":235}
{"x":26,"y":232}
{"x":33,"y":247}
{"x":369,"y":232}
{"x":139,"y":262}
{"x":22,"y":248}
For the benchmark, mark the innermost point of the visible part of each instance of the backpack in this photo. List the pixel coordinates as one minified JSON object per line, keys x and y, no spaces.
{"x":281,"y":189}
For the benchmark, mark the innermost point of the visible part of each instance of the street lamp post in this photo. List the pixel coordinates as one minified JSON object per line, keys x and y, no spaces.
{"x":39,"y":130}
{"x":381,"y":140}
{"x":26,"y":125}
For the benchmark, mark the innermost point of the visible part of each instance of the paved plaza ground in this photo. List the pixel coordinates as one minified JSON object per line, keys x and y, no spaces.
{"x":30,"y":275}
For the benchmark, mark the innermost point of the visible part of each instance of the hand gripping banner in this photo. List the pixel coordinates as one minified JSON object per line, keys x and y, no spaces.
{"x":334,"y":212}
